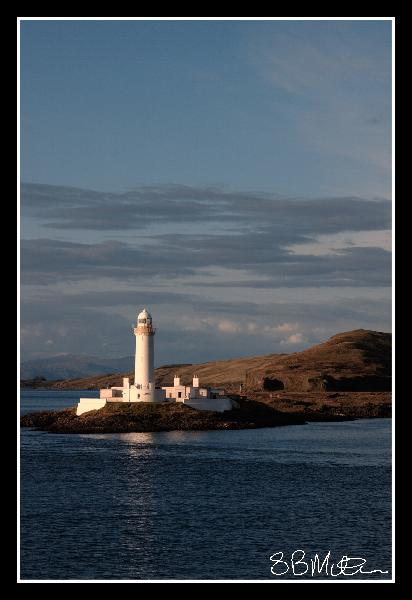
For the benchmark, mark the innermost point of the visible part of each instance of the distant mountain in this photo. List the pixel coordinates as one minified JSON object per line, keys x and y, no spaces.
{"x":352,"y":361}
{"x":73,"y":366}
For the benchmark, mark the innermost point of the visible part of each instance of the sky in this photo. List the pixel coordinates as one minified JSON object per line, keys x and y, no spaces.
{"x":234,"y":177}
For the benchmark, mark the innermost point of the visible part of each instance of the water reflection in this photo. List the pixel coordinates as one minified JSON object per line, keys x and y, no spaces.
{"x":136,"y":438}
{"x":161,"y":437}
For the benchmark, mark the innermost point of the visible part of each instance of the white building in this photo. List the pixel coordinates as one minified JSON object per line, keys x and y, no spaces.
{"x":144,"y":389}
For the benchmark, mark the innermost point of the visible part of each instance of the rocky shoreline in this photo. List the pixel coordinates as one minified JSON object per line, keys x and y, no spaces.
{"x":249,"y":414}
{"x":315,"y":406}
{"x":140,"y":417}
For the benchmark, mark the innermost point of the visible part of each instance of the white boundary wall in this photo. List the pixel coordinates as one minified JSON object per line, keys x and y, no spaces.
{"x":215,"y":404}
{"x":86,"y":404}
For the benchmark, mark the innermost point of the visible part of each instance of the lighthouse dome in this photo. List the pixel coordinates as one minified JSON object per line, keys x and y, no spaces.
{"x":144,"y":317}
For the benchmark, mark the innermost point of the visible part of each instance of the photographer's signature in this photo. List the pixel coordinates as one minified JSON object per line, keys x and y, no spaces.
{"x":297,"y":565}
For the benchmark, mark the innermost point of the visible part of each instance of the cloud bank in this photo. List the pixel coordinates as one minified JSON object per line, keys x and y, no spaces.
{"x":194,"y":255}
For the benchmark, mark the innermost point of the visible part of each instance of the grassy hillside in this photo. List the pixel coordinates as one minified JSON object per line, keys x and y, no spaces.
{"x":357,"y":360}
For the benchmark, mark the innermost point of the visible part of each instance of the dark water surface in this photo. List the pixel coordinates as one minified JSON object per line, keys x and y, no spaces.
{"x":201,"y":505}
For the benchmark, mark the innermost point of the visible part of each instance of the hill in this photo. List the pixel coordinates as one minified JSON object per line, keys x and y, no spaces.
{"x":353,"y":361}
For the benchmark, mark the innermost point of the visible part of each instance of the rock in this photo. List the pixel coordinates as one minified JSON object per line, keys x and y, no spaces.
{"x":139,"y":417}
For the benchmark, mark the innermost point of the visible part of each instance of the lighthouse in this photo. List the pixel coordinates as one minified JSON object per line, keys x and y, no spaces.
{"x":144,"y":388}
{"x":144,"y":358}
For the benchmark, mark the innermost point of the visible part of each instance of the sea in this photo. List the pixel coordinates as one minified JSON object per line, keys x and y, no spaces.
{"x":255,"y":504}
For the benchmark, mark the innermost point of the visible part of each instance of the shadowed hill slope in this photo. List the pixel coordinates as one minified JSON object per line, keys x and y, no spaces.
{"x":358,"y":360}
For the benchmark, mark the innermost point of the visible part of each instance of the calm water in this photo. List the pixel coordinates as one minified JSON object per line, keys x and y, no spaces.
{"x":201,"y":505}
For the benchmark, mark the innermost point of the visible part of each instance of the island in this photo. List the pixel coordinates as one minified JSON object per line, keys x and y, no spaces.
{"x":346,"y":377}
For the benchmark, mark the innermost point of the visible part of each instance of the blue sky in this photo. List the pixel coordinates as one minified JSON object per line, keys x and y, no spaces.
{"x":211,"y":169}
{"x":287,"y":107}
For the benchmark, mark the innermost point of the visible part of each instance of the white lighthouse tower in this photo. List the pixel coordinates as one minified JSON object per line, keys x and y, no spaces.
{"x":144,"y":359}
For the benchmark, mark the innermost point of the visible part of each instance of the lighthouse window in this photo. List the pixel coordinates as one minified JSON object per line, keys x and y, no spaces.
{"x":142,"y":320}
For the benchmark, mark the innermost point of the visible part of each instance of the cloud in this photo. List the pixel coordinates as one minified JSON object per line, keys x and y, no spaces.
{"x":295,"y":338}
{"x":63,"y":207}
{"x":246,"y":323}
{"x":204,"y":323}
{"x":332,"y":88}
{"x":47,"y":261}
{"x":327,"y":62}
{"x":284,"y":328}
{"x":332,"y":244}
{"x":83,"y":295}
{"x":190,"y":328}
{"x":58,"y":207}
{"x":227,"y":326}
{"x":51,"y":327}
{"x":261,"y":242}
